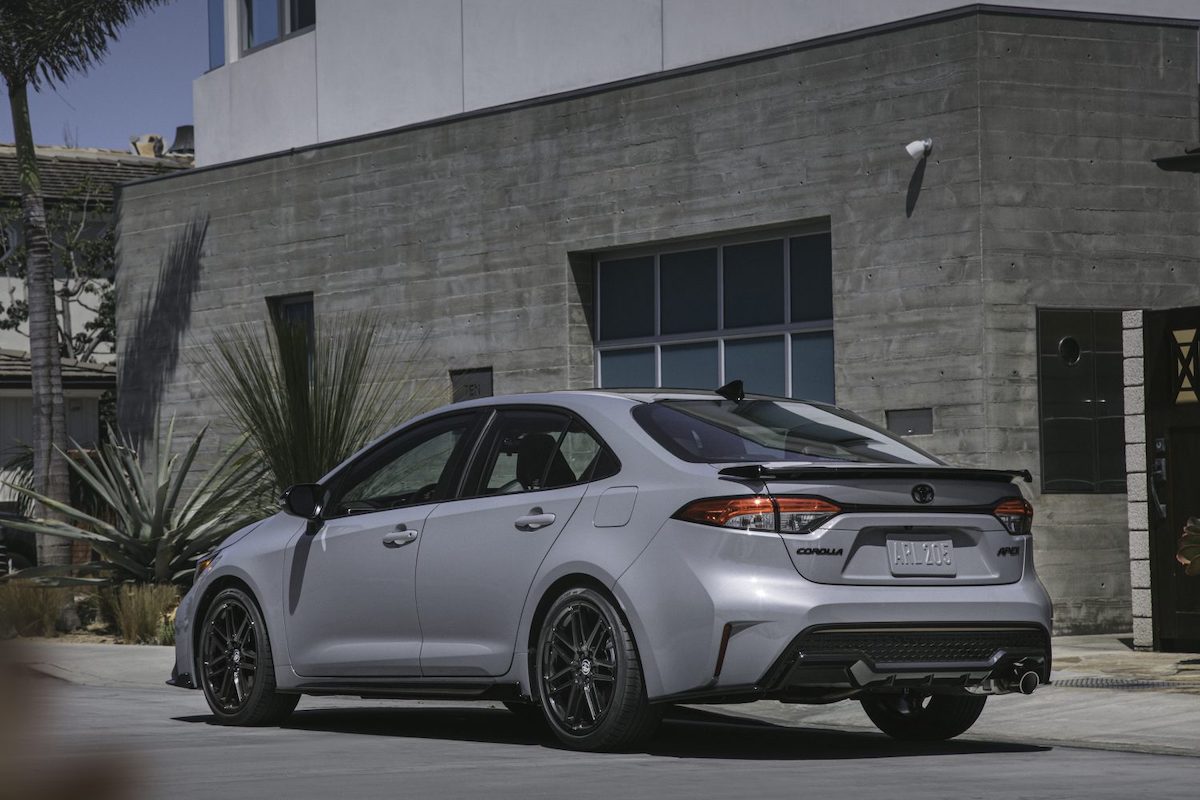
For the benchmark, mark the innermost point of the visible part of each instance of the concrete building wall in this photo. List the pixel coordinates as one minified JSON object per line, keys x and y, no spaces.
{"x":481,"y":231}
{"x":1076,"y":215}
{"x":371,"y":65}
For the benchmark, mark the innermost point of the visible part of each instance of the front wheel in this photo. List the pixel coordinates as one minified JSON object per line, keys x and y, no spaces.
{"x":589,"y":676}
{"x":236,"y":669}
{"x":912,"y":716}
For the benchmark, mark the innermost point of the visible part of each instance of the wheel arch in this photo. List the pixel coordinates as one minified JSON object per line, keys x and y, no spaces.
{"x":219,"y":585}
{"x":578,"y":579}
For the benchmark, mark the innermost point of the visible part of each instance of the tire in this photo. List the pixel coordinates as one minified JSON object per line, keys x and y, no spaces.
{"x":912,"y":717}
{"x":236,"y":671}
{"x":589,"y":677}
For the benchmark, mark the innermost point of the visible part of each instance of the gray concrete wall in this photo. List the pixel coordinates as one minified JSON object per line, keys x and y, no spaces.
{"x":480,"y":231}
{"x":1076,"y":215}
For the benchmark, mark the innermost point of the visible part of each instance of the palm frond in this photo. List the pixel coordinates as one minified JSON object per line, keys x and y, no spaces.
{"x":46,"y":41}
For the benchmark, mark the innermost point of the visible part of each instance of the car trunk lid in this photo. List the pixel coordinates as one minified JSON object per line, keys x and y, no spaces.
{"x":898,"y":524}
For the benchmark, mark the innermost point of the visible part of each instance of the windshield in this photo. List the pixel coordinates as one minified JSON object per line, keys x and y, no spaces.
{"x":716,"y":431}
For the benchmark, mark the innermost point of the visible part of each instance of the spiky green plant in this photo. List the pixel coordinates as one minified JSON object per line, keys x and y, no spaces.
{"x":1189,"y":547}
{"x":152,"y":529}
{"x":309,"y":399}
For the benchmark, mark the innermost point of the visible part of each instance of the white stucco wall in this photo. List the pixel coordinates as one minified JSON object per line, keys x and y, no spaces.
{"x":371,"y":65}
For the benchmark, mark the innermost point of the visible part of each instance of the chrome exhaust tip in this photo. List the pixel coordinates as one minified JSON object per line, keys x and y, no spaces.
{"x":1028,"y":682}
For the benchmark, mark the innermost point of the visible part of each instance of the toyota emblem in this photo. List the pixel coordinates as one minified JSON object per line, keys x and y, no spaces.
{"x":923,"y":493}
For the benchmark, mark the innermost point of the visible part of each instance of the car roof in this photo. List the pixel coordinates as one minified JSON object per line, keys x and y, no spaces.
{"x":633,"y":394}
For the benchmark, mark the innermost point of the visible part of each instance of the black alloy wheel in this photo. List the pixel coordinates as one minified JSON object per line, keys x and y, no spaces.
{"x":580,"y":667}
{"x":236,"y":669}
{"x":911,"y":715}
{"x":230,"y":655}
{"x":589,"y":676}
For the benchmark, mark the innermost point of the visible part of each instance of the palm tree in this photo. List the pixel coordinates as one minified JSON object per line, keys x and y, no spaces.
{"x":42,"y":43}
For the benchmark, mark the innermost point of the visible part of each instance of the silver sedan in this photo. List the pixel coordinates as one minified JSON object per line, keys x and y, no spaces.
{"x":590,"y":557}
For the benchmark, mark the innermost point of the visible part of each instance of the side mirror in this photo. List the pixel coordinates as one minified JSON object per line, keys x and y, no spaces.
{"x":303,"y":500}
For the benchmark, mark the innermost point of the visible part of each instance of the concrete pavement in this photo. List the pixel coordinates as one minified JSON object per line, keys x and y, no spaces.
{"x":1152,"y":704}
{"x":107,"y":704}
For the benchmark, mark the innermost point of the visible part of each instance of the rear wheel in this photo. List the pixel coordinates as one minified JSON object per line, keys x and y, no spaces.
{"x":589,"y":676}
{"x":236,"y":669}
{"x":912,"y":716}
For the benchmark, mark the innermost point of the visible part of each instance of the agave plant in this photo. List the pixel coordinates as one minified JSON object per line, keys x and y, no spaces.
{"x":308,"y":399}
{"x":1189,"y":547}
{"x":150,"y":528}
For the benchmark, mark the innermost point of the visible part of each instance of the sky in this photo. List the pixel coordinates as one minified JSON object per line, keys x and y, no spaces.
{"x":144,"y":85}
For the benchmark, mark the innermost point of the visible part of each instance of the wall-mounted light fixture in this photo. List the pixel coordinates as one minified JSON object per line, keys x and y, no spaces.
{"x":919,"y":149}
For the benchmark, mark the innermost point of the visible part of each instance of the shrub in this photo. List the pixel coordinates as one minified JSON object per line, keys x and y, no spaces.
{"x":309,"y":400}
{"x":141,"y":610}
{"x":27,"y":609}
{"x":151,"y":530}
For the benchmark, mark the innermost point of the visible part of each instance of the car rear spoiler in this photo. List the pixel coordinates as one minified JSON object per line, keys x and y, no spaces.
{"x":786,"y":472}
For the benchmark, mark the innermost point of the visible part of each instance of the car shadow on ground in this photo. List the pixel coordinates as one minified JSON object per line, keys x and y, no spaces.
{"x":685,"y":733}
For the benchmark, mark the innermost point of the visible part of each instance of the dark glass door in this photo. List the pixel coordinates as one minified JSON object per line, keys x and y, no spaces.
{"x":1173,"y":458}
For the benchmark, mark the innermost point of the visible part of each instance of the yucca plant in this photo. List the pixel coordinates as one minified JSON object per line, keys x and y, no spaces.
{"x":308,"y":399}
{"x":1189,"y":547}
{"x":151,"y":530}
{"x":19,"y":471}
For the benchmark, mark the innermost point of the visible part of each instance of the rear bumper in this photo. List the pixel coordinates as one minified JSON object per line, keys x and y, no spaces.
{"x":725,"y":616}
{"x":881,"y":657}
{"x":833,"y":662}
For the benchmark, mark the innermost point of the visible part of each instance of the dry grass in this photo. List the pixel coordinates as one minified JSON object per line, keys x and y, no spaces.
{"x":30,"y":610}
{"x":140,"y":612}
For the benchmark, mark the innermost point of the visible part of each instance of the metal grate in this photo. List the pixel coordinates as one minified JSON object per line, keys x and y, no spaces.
{"x":1122,"y":684}
{"x":889,"y":646}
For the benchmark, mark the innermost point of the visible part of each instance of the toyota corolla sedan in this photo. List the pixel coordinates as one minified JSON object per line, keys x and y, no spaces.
{"x":591,"y":557}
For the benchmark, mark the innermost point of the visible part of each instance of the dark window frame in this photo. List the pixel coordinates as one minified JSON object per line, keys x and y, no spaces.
{"x":1098,"y":485}
{"x":219,"y":6}
{"x":721,"y":334}
{"x":283,"y":15}
{"x":276,"y":309}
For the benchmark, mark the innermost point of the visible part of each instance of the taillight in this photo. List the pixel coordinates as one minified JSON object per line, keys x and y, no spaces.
{"x":1016,"y":515}
{"x":782,"y":514}
{"x":802,"y":514}
{"x":744,"y":513}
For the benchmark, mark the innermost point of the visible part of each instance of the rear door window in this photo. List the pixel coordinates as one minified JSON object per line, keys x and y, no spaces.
{"x":530,"y":450}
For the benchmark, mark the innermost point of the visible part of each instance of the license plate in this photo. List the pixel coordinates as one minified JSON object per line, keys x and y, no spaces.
{"x":921,"y":557}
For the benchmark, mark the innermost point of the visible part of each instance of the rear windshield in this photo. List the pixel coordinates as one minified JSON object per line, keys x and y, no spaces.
{"x":716,"y":431}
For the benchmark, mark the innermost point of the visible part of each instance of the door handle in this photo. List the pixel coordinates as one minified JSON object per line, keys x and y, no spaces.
{"x":399,"y":538}
{"x":534,"y":520}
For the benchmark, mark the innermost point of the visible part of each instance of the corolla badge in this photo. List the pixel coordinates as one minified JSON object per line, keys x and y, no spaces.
{"x":923,"y":493}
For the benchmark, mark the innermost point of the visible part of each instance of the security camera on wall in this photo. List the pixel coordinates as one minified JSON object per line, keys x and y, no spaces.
{"x":919,"y":148}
